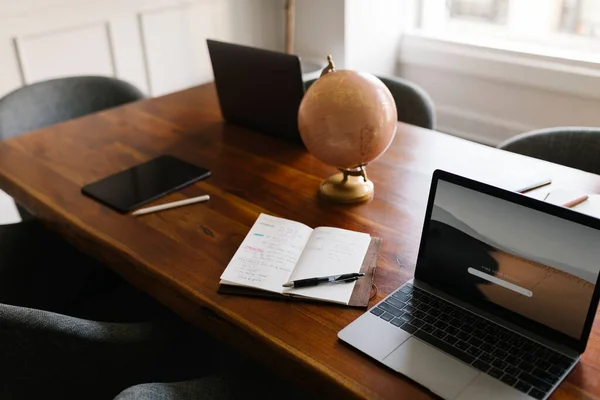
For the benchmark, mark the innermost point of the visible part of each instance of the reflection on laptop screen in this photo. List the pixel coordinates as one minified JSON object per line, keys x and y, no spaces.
{"x":483,"y":248}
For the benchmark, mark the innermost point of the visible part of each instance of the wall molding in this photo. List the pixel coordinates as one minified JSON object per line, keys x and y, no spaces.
{"x":147,"y":39}
{"x":27,"y":49}
{"x":19,"y":59}
{"x":111,"y":48}
{"x":144,"y":47}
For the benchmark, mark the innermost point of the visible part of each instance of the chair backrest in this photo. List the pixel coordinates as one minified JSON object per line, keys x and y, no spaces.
{"x":413,"y":104}
{"x":49,"y":102}
{"x":48,"y":355}
{"x":572,"y":146}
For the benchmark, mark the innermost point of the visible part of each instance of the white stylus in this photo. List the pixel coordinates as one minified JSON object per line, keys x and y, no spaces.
{"x":174,"y":204}
{"x":534,"y":185}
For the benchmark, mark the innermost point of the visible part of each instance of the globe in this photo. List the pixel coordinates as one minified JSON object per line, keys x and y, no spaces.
{"x":347,"y":119}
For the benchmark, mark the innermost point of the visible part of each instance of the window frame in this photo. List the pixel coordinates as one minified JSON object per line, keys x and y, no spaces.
{"x":525,"y":64}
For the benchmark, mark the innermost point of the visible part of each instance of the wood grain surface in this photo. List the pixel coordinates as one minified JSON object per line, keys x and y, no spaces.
{"x":178,"y":255}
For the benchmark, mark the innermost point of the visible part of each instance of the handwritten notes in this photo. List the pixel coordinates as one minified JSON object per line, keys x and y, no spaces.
{"x":268,"y":254}
{"x":330,"y":251}
{"x":278,"y":250}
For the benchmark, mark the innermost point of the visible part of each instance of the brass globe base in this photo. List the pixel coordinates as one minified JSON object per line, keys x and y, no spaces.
{"x":347,"y":189}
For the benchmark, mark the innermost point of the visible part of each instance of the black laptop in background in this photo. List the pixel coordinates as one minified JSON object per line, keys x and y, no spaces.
{"x":258,"y":89}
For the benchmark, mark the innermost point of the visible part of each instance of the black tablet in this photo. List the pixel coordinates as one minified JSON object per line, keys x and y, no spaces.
{"x":143,"y":183}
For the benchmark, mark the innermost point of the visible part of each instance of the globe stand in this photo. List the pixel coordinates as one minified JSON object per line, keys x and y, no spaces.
{"x":349,"y":186}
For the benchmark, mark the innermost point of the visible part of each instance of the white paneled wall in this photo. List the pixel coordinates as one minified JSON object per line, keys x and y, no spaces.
{"x":167,"y":39}
{"x":158,"y":45}
{"x":83,"y":50}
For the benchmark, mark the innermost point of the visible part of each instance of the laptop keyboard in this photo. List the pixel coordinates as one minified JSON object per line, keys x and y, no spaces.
{"x":505,"y":355}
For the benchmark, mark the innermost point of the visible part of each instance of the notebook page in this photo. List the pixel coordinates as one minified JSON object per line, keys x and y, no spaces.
{"x":268,"y":254}
{"x":330,"y":251}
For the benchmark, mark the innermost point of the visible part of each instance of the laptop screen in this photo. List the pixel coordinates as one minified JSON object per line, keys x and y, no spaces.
{"x":505,"y":256}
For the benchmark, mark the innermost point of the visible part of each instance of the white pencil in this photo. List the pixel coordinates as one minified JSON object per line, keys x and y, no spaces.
{"x":174,"y":204}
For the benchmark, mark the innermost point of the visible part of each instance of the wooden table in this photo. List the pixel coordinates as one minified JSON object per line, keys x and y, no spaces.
{"x":178,"y":255}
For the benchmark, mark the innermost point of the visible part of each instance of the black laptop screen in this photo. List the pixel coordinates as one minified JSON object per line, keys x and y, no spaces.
{"x":489,"y":250}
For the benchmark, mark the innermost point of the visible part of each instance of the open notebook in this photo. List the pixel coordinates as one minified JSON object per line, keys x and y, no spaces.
{"x":278,"y":250}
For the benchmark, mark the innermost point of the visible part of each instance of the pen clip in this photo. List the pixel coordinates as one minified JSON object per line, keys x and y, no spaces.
{"x":348,"y":280}
{"x":348,"y":277}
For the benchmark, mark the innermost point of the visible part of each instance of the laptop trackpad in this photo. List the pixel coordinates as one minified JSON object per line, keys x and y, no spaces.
{"x":440,"y":373}
{"x":486,"y":387}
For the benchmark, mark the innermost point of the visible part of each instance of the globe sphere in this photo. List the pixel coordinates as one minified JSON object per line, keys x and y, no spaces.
{"x":347,"y":118}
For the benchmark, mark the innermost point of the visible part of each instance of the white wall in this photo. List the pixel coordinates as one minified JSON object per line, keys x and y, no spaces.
{"x":158,"y":45}
{"x":320,"y":30}
{"x":373,"y":30}
{"x":359,"y":34}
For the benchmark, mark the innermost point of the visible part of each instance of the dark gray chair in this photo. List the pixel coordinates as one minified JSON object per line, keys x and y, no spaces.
{"x":49,"y":102}
{"x":414,"y":105}
{"x":52,"y":356}
{"x":572,"y":146}
{"x":205,"y":388}
{"x":217,"y":387}
{"x":72,"y":329}
{"x":235,"y":377}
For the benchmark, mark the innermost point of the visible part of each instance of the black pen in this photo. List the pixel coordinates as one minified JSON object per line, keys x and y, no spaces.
{"x":324,"y":279}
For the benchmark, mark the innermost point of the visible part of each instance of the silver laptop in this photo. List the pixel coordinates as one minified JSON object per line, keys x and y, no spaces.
{"x":503,"y":298}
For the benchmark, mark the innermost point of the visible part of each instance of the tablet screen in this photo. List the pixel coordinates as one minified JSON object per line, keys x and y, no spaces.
{"x":129,"y":189}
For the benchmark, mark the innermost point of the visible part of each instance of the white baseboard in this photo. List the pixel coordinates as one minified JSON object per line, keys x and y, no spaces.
{"x":476,"y":127}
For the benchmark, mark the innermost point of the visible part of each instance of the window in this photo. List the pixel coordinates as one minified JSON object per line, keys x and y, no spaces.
{"x":491,"y":11}
{"x":563,"y":28}
{"x":580,"y":17}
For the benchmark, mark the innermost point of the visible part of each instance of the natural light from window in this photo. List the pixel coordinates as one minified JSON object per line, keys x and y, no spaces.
{"x":557,"y":28}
